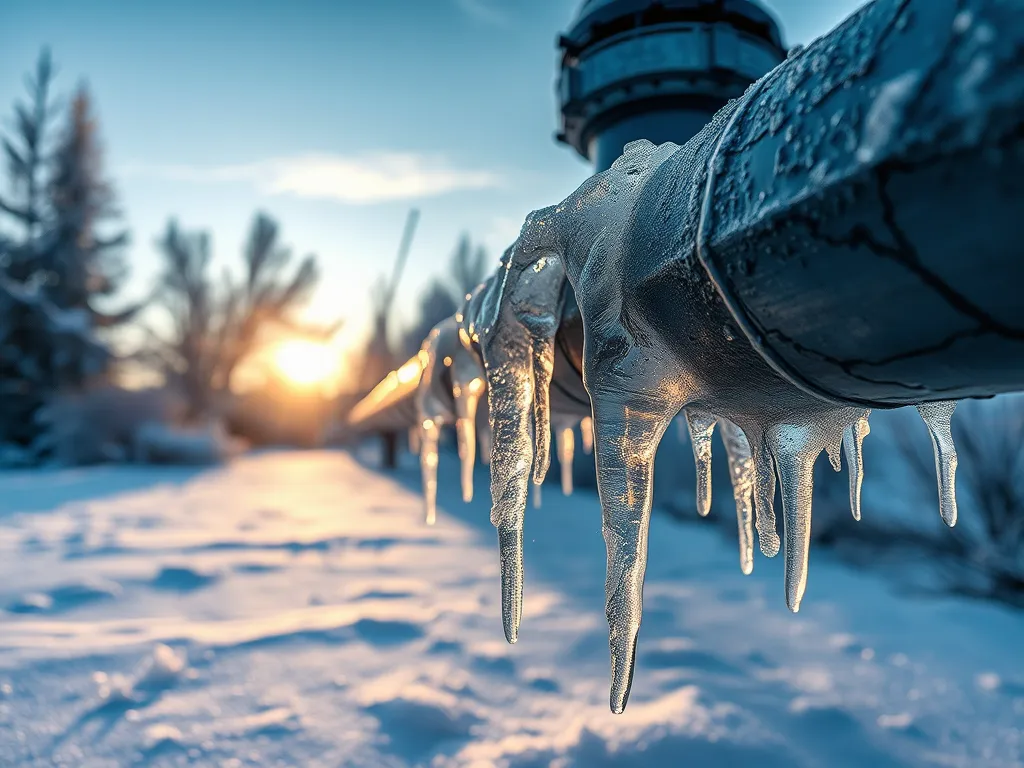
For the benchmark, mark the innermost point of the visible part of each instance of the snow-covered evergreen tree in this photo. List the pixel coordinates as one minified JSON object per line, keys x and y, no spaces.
{"x":82,"y":264}
{"x":53,"y":264}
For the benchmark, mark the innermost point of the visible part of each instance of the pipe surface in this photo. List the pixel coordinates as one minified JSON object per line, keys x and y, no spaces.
{"x":864,"y":220}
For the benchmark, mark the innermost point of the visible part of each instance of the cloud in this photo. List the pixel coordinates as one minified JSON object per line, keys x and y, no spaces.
{"x":486,"y":11}
{"x":356,"y":180}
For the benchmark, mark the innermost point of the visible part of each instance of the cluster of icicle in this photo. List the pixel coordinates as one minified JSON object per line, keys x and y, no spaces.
{"x":502,"y":341}
{"x":451,"y":389}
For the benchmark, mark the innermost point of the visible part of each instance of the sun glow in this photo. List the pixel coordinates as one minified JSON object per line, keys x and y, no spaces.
{"x":306,"y":363}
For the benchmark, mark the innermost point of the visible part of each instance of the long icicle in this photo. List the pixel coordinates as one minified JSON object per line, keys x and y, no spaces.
{"x":627,"y":439}
{"x":853,"y":443}
{"x":510,"y":388}
{"x":429,"y":436}
{"x":566,"y":442}
{"x":764,"y":497}
{"x":741,"y":469}
{"x":794,"y":456}
{"x":702,"y":428}
{"x":543,"y":366}
{"x":937,"y":417}
{"x":467,"y":397}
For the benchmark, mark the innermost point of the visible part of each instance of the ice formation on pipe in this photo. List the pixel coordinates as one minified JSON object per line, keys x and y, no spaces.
{"x":636,"y":245}
{"x":641,"y":366}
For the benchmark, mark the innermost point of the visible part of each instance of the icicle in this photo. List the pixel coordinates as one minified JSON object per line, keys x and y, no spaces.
{"x":543,"y":365}
{"x":702,"y":428}
{"x":428,"y":467}
{"x":937,"y":417}
{"x":764,"y":499}
{"x":853,"y":442}
{"x":794,"y":452}
{"x":467,"y":397}
{"x":510,"y":403}
{"x":521,"y":314}
{"x":587,"y":435}
{"x":537,"y":496}
{"x":741,"y":469}
{"x":627,"y":439}
{"x":566,"y":443}
{"x":414,"y":441}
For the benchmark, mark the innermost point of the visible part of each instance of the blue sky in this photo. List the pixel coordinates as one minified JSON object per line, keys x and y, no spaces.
{"x":333,"y":116}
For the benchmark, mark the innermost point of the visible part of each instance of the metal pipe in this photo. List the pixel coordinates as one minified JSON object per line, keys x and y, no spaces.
{"x":781,"y":178}
{"x":865,"y":218}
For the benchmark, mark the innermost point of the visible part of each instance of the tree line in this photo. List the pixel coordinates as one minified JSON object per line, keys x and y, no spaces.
{"x":64,"y":262}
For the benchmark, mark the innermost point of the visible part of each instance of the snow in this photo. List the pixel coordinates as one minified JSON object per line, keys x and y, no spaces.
{"x":293,"y":609}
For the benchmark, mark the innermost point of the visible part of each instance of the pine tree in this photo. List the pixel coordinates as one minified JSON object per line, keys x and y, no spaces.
{"x":80,"y":263}
{"x":26,"y":163}
{"x":49,"y":277}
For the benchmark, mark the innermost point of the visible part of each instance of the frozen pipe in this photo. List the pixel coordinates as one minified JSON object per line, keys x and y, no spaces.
{"x":854,"y":143}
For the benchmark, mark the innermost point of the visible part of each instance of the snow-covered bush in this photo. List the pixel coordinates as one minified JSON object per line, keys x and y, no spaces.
{"x":42,"y":350}
{"x":110,"y":424}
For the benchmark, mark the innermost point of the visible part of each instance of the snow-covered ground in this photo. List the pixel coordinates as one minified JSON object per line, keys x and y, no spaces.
{"x":291,"y":610}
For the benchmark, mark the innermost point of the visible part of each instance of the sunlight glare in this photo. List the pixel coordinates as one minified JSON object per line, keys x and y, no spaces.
{"x":305,"y":363}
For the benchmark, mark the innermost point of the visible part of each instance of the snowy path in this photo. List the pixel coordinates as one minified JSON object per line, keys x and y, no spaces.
{"x":315,"y":622}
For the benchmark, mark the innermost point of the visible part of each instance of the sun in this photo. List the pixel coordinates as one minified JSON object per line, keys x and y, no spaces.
{"x":305,"y":363}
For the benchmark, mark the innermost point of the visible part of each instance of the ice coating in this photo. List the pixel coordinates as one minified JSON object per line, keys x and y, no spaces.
{"x":937,"y":418}
{"x":537,"y":496}
{"x":853,"y":443}
{"x":664,"y":333}
{"x":702,"y":428}
{"x":741,"y":471}
{"x":641,"y":367}
{"x":565,"y":440}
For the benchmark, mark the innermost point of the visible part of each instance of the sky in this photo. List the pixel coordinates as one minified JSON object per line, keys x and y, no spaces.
{"x":336,"y":117}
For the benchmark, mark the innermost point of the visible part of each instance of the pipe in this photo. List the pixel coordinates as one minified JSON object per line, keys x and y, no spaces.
{"x":844,"y":147}
{"x":802,"y":260}
{"x":863,"y":224}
